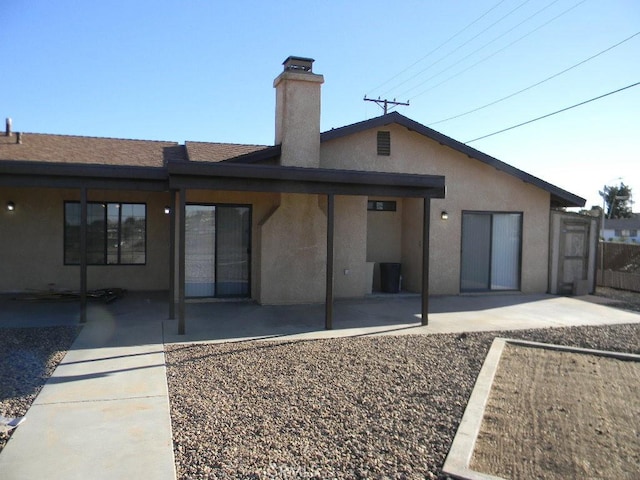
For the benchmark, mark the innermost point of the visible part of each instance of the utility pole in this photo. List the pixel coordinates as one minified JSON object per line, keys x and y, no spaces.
{"x":384,"y":104}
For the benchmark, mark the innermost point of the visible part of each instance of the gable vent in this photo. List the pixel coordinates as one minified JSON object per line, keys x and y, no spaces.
{"x":384,"y":143}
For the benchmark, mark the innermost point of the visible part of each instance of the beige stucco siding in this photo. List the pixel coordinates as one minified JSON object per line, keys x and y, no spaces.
{"x":32,"y":243}
{"x":470,"y":186}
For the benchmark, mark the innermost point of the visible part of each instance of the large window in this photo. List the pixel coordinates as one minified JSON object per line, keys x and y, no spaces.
{"x":491,"y":251}
{"x":116,"y":233}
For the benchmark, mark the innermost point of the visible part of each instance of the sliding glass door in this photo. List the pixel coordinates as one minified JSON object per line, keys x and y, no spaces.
{"x":491,"y":247}
{"x":218,"y":251}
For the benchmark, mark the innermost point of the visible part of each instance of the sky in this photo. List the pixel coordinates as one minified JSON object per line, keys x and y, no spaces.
{"x":203,"y":70}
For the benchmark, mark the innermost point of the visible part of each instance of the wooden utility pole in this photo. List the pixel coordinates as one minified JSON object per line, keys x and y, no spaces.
{"x":384,"y":104}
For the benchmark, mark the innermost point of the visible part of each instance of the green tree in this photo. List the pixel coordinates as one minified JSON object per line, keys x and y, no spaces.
{"x":617,"y":201}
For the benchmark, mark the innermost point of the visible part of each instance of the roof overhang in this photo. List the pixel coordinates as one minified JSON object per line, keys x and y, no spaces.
{"x":64,"y":175}
{"x":275,"y":178}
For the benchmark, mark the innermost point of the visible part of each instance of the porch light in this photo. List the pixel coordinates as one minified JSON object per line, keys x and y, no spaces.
{"x":444,"y":215}
{"x":11,"y":206}
{"x":167,"y":210}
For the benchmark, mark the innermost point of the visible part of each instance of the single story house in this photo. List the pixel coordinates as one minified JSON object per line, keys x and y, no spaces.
{"x":305,"y":220}
{"x":626,"y":230}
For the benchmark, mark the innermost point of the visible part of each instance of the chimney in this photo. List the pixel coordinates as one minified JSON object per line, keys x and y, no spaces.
{"x":298,"y":113}
{"x":8,"y":132}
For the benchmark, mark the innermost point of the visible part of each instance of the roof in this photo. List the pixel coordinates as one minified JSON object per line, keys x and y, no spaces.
{"x":623,"y":223}
{"x":37,"y":147}
{"x":66,"y":149}
{"x":559,"y":197}
{"x":218,"y":152}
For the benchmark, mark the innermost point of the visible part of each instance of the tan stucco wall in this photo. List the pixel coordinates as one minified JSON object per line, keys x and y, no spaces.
{"x":352,"y":275}
{"x":298,"y":118}
{"x":293,"y":251}
{"x":471,"y":186}
{"x":32,"y":239}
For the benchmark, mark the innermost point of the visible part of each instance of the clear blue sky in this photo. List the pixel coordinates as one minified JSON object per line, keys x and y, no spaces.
{"x":203,"y":70}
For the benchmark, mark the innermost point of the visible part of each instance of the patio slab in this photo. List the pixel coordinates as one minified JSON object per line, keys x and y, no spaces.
{"x":389,"y":315}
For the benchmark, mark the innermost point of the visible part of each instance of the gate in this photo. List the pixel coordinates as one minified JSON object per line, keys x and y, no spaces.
{"x":572,"y":253}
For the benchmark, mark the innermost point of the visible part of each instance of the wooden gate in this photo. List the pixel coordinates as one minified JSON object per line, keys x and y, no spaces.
{"x":572,"y":253}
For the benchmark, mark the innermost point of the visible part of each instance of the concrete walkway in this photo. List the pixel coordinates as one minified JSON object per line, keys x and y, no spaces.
{"x":104,"y":414}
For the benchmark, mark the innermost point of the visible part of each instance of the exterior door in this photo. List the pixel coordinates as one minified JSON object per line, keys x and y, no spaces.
{"x":218,"y":251}
{"x":491,"y":251}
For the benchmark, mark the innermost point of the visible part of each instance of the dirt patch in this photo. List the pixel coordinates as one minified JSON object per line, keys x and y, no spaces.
{"x":561,"y":415}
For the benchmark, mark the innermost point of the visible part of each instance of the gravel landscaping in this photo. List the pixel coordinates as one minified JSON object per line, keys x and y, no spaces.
{"x":366,"y":407}
{"x":28,"y":357}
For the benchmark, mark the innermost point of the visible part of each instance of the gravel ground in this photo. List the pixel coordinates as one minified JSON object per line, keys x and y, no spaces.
{"x":28,"y":357}
{"x":624,"y":299}
{"x":366,"y":407}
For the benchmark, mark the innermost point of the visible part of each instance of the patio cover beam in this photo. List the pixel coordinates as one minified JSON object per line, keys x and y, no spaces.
{"x":102,"y":177}
{"x":328,"y":308}
{"x":426,"y":224}
{"x":172,"y":255}
{"x":83,"y":255}
{"x":270,"y":178}
{"x":181,"y":260}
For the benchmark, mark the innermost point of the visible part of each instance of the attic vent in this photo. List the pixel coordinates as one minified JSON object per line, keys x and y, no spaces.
{"x":384,"y":143}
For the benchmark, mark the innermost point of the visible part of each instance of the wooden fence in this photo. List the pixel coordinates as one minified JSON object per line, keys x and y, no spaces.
{"x":619,"y":266}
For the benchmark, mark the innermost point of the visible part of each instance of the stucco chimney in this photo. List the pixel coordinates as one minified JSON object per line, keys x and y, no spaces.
{"x":298,"y":113}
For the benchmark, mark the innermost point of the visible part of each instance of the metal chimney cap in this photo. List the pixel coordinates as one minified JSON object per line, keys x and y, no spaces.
{"x":300,"y":64}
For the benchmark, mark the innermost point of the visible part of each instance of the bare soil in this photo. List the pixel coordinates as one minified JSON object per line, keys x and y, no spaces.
{"x":561,"y":415}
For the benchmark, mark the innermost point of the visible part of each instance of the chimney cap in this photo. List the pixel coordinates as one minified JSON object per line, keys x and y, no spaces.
{"x":300,"y":64}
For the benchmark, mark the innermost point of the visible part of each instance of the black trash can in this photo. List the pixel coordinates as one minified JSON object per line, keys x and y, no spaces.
{"x":390,"y":277}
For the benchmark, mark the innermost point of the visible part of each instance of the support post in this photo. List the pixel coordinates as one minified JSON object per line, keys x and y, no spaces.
{"x":83,"y":255}
{"x":328,"y":317}
{"x":426,"y":220}
{"x":181,"y":261}
{"x":172,"y":256}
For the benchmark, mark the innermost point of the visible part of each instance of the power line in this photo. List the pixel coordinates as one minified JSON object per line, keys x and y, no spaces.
{"x":441,"y":45}
{"x":554,"y":113}
{"x":482,"y":47}
{"x":459,"y":46}
{"x":536,"y":84}
{"x":499,"y":51}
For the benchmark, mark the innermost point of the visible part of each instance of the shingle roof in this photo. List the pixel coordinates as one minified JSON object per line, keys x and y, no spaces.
{"x":622,"y":223}
{"x":88,"y":150}
{"x":559,"y":197}
{"x":218,"y":152}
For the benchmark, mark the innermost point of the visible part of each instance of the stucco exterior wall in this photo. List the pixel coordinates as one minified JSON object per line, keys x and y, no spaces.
{"x":293,"y":252}
{"x":352,"y":274}
{"x":470,"y":186}
{"x":298,"y":118}
{"x":32,"y":243}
